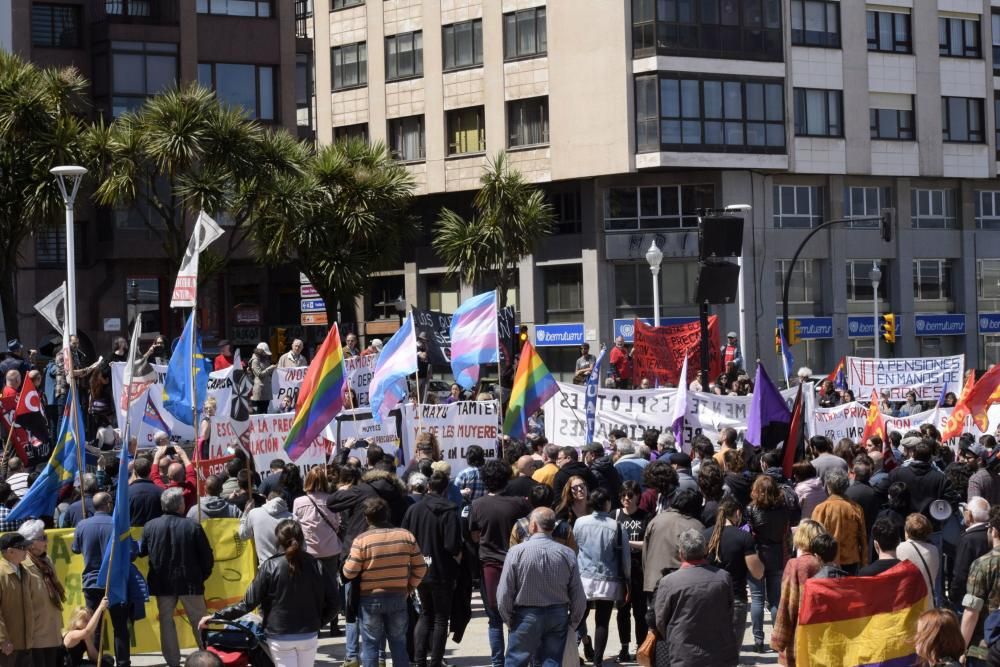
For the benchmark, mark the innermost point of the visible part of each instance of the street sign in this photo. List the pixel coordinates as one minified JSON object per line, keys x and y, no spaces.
{"x":314,"y":319}
{"x":313,"y":305}
{"x":307,"y":291}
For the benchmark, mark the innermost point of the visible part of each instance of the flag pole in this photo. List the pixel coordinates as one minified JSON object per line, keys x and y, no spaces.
{"x":496,"y":315}
{"x":74,"y":425}
{"x":10,"y":434}
{"x":194,"y":403}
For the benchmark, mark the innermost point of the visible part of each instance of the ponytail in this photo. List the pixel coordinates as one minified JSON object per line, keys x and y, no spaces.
{"x":728,"y":510}
{"x":290,"y":538}
{"x":293,"y":554}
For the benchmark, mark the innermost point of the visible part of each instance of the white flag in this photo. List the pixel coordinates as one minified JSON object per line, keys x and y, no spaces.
{"x":53,"y":308}
{"x":205,"y":231}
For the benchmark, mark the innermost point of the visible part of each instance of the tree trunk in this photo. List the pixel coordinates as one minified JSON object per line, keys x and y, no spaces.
{"x":8,"y":299}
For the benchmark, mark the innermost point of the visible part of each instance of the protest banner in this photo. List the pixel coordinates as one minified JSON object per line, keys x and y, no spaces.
{"x":360,"y":425}
{"x":658,"y":352}
{"x":234,"y":570}
{"x":456,"y":425}
{"x":437,"y":326}
{"x":264,"y":440}
{"x":927,"y":376}
{"x":848,"y":421}
{"x":285,"y":382}
{"x":636,"y":410}
{"x":209,"y":467}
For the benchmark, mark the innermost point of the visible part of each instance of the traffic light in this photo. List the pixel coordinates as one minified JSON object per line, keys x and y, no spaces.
{"x":794,"y":331}
{"x":522,"y":337}
{"x":278,"y":341}
{"x":889,"y":328}
{"x":777,"y":340}
{"x":886,"y":224}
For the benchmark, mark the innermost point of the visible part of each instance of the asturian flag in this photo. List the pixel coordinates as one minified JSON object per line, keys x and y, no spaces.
{"x":187,"y":365}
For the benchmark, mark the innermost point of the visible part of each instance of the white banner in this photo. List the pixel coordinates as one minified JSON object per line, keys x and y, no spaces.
{"x":205,"y":231}
{"x":848,"y":421}
{"x":265,"y":439}
{"x":358,"y":424}
{"x":456,"y":425}
{"x":634,"y":411}
{"x":285,"y":382}
{"x":927,"y":376}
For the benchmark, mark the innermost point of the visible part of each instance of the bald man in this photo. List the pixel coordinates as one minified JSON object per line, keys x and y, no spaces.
{"x":522,"y":484}
{"x":179,"y":474}
{"x":12,"y":384}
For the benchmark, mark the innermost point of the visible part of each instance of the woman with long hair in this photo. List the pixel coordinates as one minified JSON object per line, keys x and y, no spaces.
{"x":573,"y":503}
{"x":290,"y":484}
{"x":294,"y":595}
{"x":939,"y":641}
{"x":319,"y":523}
{"x":770,"y":520}
{"x":737,"y":480}
{"x":797,"y":571}
{"x":79,"y":640}
{"x":918,"y":549}
{"x":205,"y":427}
{"x":732,"y":549}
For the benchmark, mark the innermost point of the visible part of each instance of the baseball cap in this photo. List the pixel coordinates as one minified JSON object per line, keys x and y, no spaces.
{"x":912,"y":441}
{"x":13,"y":541}
{"x":731,"y":334}
{"x":13,"y":345}
{"x":265,"y":348}
{"x":593,"y":447}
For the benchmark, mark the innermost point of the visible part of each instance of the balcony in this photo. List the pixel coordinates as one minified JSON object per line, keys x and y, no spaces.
{"x":149,"y":12}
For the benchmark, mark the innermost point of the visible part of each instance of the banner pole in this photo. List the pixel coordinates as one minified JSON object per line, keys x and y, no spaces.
{"x":10,"y":434}
{"x":500,"y":411}
{"x":194,"y":402}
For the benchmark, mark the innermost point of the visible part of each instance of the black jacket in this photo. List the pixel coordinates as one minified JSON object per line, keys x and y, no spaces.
{"x":435,"y":523}
{"x":290,"y":604}
{"x":607,"y":478}
{"x":571,"y":469}
{"x":143,"y":502}
{"x":870,"y":500}
{"x":374,"y":484}
{"x":974,"y":543}
{"x":180,"y":557}
{"x":925,"y":485}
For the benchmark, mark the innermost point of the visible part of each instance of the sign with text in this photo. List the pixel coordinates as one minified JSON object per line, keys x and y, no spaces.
{"x":437,"y":326}
{"x":812,"y":328}
{"x":285,"y":382}
{"x":559,"y":335}
{"x":939,"y":324}
{"x":848,"y":421}
{"x":658,"y":352}
{"x":927,"y":376}
{"x":456,"y":425}
{"x":625,"y":327}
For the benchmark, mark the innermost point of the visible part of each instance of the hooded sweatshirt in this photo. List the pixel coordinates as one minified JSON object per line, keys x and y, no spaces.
{"x":435,"y":524}
{"x":214,"y":507}
{"x":259,"y":524}
{"x":374,"y":483}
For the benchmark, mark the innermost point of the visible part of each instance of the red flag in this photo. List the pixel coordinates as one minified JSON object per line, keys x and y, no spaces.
{"x":794,"y":439}
{"x":12,"y":433}
{"x":956,"y":420}
{"x":29,"y":414}
{"x":874,"y":423}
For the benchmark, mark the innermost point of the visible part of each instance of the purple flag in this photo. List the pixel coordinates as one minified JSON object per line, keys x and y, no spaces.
{"x":769,"y":418}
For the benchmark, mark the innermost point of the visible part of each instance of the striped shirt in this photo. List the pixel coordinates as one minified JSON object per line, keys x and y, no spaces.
{"x":540,"y":572}
{"x":18,"y":483}
{"x":388,"y":560}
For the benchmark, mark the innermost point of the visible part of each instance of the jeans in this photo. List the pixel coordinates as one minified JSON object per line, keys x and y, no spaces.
{"x":119,"y":621}
{"x":384,"y":617}
{"x":539,"y":632}
{"x":294,"y":652}
{"x":431,"y":632}
{"x":740,"y":620}
{"x":769,"y":587}
{"x":491,"y":579}
{"x":194,"y":607}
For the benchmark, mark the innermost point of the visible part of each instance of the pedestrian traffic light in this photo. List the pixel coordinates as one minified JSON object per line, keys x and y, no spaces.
{"x":279,"y":342}
{"x":794,"y":331}
{"x":889,"y":328}
{"x":522,"y":337}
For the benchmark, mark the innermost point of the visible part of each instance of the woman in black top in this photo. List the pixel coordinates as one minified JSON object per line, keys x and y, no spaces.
{"x":769,"y":521}
{"x":633,"y":520}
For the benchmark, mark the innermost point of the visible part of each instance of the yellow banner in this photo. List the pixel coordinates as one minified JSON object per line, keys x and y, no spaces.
{"x":235,"y":567}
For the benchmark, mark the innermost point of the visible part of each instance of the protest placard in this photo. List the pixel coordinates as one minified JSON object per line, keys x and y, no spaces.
{"x":658,"y":352}
{"x":456,"y":425}
{"x":927,"y":376}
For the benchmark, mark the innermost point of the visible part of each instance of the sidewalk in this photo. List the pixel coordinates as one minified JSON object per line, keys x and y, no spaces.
{"x":474,"y":651}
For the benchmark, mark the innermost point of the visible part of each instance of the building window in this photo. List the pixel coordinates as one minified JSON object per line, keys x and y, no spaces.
{"x":142,"y":295}
{"x":996,"y":129}
{"x":528,"y":122}
{"x":798,"y":206}
{"x":50,"y":245}
{"x":250,"y":87}
{"x":261,"y":8}
{"x":889,"y":32}
{"x":303,"y":18}
{"x":959,"y":38}
{"x":931,"y":279}
{"x":818,"y":112}
{"x":995,"y":32}
{"x":564,"y":293}
{"x":466,"y":130}
{"x":988,"y":283}
{"x":303,"y":90}
{"x":804,"y":288}
{"x":933,"y":209}
{"x":891,"y":124}
{"x":749,"y":30}
{"x":859,"y":284}
{"x":816,"y":23}
{"x":442,"y":293}
{"x":566,"y":211}
{"x":55,"y":26}
{"x":634,"y":288}
{"x":463,"y":44}
{"x":962,"y":118}
{"x":139,"y":70}
{"x":406,"y":138}
{"x":524,"y":34}
{"x":725,"y":116}
{"x":404,"y":56}
{"x":350,"y":65}
{"x":987,"y":209}
{"x":345,"y":132}
{"x":344,"y":4}
{"x":865,"y":202}
{"x":656,"y":207}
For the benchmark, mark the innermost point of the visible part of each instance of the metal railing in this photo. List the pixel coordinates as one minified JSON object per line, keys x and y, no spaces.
{"x":157,"y":12}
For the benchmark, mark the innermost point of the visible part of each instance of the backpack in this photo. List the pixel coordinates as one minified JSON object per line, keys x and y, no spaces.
{"x":792,"y":503}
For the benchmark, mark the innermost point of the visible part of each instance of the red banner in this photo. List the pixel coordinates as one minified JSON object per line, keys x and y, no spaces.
{"x":216,"y":467}
{"x":658,"y":352}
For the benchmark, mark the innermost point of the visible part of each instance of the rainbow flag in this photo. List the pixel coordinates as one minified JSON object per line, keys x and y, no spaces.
{"x":533,"y":385}
{"x":321,"y":396}
{"x":861,"y":621}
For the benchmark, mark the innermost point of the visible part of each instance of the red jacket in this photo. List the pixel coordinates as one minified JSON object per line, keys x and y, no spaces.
{"x":222,"y":363}
{"x":190,"y":485}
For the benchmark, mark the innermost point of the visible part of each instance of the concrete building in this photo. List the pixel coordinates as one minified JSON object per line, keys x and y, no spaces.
{"x":633,"y":115}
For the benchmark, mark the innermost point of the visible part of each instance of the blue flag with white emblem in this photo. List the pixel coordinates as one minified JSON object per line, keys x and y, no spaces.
{"x":592,"y":385}
{"x":187,"y":365}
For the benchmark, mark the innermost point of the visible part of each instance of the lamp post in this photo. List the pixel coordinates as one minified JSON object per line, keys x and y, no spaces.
{"x":68,"y":179}
{"x":655,"y":256}
{"x":876,"y":277}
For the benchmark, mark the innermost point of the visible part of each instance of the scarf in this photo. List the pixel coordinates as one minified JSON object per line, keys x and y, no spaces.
{"x":45,"y":567}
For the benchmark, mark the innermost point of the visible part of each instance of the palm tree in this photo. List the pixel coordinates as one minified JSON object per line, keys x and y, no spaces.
{"x":512,"y":217}
{"x":185,"y":151}
{"x":40,"y":128}
{"x":341,"y":221}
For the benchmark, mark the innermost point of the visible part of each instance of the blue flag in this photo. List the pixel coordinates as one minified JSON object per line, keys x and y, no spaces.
{"x":117,"y":558}
{"x":591,"y":387}
{"x":186,"y":363}
{"x":62,"y":468}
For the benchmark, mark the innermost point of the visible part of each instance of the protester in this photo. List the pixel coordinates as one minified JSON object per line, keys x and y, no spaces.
{"x":845,"y":520}
{"x":919,"y":551}
{"x":924,"y":483}
{"x":633,"y":521}
{"x":261,"y":369}
{"x":804,"y":566}
{"x":659,"y":552}
{"x":260,"y":523}
{"x":825,"y":548}
{"x":982,"y":597}
{"x":910,"y":407}
{"x":660,"y":482}
{"x":389,"y":566}
{"x":562,"y":532}
{"x":180,"y":474}
{"x":728,"y":440}
{"x":573,"y":503}
{"x":437,"y":528}
{"x":975,"y":542}
{"x":17,"y":476}
{"x":469,"y":481}
{"x":74,"y":514}
{"x":296,"y":598}
{"x":682,"y":465}
{"x":861,"y":492}
{"x":628,"y":463}
{"x":204,"y":442}
{"x":539,"y":595}
{"x":48,"y":596}
{"x":985,"y":482}
{"x":770,"y":521}
{"x":885,"y":536}
{"x":522,"y":484}
{"x":570,"y":466}
{"x":732,"y":549}
{"x":17,"y":618}
{"x":938,"y":642}
{"x":224,"y":359}
{"x":294,"y":357}
{"x":79,"y":640}
{"x":824,"y":460}
{"x":737,"y":480}
{"x":143,"y":494}
{"x":620,"y":364}
{"x":212,"y":505}
{"x":808,"y":487}
{"x":688,"y":605}
{"x":350,"y":348}
{"x":584,"y":364}
{"x":603,"y":470}
{"x":180,"y":562}
{"x":319,"y":524}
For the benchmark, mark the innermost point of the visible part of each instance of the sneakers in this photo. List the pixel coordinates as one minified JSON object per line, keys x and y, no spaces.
{"x":352,"y":663}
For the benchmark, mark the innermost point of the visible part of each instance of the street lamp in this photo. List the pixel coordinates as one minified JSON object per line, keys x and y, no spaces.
{"x":876,"y":277}
{"x":68,"y":178}
{"x":655,"y":256}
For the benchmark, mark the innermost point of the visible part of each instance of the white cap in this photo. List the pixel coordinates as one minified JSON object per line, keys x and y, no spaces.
{"x":377,"y":344}
{"x":263,"y":347}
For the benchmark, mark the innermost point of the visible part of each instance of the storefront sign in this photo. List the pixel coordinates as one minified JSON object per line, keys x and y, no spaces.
{"x":944,"y":324}
{"x":556,"y":335}
{"x":989,"y":323}
{"x":812,"y":328}
{"x":862,"y":326}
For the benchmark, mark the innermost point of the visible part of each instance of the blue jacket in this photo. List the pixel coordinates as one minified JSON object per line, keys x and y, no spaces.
{"x":630,"y":468}
{"x":144,"y":501}
{"x":603,"y":548}
{"x":90,"y":538}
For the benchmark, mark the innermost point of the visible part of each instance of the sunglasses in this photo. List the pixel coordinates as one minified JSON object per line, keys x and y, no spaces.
{"x":578,"y":487}
{"x":628,"y":496}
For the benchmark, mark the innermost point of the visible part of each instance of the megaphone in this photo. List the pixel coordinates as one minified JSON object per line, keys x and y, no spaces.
{"x":940,"y":510}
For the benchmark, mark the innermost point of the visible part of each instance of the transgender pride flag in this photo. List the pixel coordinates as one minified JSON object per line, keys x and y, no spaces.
{"x":474,"y":338}
{"x":397,"y":360}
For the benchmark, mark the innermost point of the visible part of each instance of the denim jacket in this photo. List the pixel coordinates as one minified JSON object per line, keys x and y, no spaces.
{"x":603,"y":548}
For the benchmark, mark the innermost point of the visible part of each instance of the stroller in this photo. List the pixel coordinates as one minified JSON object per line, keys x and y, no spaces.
{"x":238,"y":644}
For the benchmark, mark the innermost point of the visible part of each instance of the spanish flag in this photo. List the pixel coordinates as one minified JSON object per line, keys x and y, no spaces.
{"x":861,"y":621}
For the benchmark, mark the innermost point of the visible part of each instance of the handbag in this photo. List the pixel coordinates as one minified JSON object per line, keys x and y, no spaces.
{"x":644,"y":656}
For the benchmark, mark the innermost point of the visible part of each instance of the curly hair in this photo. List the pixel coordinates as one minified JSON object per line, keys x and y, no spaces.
{"x":711,"y":480}
{"x":765,"y":493}
{"x":661,"y":476}
{"x":495,"y":475}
